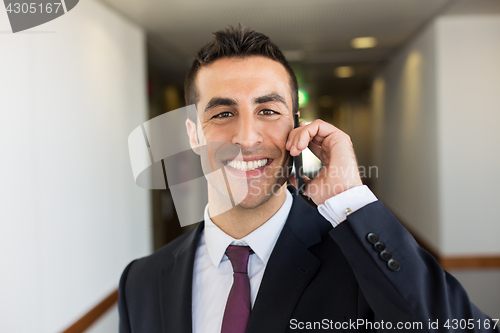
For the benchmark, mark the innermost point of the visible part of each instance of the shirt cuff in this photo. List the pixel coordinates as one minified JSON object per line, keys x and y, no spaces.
{"x":337,"y":208}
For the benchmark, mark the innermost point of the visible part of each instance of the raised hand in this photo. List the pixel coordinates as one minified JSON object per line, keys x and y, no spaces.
{"x":334,"y":148}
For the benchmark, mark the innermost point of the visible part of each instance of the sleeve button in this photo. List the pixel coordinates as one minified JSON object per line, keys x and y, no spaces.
{"x":379,"y":246}
{"x":385,"y":255}
{"x":372,"y":238}
{"x":393,"y":265}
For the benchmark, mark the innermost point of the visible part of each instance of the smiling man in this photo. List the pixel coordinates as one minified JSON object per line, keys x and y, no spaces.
{"x":246,"y":102}
{"x":274,"y":263}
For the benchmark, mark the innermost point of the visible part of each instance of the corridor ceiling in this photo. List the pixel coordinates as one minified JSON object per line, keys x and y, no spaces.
{"x":315,"y":34}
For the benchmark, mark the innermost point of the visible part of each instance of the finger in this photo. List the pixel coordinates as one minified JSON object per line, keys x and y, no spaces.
{"x":290,"y":139}
{"x":294,"y":137}
{"x":292,"y":134}
{"x":291,"y":143}
{"x":315,"y":132}
{"x":302,"y":140}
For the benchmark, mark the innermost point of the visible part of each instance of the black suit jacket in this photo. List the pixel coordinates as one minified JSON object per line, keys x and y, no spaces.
{"x":316,"y":273}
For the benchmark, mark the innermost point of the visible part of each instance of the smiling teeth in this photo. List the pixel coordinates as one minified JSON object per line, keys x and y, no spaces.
{"x":247,"y":166}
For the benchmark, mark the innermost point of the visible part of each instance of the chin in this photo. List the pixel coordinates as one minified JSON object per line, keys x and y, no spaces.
{"x":258,"y":196}
{"x":252,"y":202}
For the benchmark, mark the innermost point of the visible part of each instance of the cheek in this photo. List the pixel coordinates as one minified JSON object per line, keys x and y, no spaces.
{"x":279,"y":135}
{"x":215,"y":134}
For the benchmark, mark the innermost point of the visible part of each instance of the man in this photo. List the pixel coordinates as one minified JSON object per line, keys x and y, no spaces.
{"x":274,"y":263}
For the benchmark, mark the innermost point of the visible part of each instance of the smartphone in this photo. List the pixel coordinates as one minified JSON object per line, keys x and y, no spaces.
{"x":297,"y":161}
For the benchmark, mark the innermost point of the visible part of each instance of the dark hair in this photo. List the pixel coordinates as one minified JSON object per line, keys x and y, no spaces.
{"x":237,"y":42}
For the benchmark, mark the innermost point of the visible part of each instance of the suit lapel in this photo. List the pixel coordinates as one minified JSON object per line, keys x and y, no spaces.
{"x":288,"y":272}
{"x":176,"y":283}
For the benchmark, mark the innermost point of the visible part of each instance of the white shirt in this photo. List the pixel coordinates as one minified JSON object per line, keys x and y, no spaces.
{"x":213,"y":272}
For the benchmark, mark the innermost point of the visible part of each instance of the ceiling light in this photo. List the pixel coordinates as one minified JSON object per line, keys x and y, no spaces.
{"x":343,"y":71}
{"x":363,"y":42}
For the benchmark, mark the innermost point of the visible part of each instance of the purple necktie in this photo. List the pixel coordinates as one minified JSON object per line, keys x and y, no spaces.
{"x":238,"y":308}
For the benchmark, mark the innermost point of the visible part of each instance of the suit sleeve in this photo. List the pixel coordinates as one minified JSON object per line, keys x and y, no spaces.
{"x":405,"y":284}
{"x":124,"y":322}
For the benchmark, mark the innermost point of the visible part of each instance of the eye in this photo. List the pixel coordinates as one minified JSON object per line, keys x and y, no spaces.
{"x":267,"y":112}
{"x":221,"y":115}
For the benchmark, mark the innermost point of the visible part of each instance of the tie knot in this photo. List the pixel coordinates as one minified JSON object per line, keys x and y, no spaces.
{"x":238,"y":255}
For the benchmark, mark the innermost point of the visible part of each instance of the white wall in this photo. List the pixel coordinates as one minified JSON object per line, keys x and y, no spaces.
{"x":107,"y":323}
{"x":469,"y":132}
{"x":405,"y":150}
{"x":71,"y":216}
{"x":436,"y":110}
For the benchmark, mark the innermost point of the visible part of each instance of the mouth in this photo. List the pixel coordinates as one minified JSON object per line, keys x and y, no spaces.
{"x":247,"y":165}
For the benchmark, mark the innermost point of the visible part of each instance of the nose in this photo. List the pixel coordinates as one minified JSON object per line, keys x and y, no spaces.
{"x":248,"y":132}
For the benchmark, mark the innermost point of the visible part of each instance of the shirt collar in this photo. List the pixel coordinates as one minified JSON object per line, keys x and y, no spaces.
{"x":261,"y":240}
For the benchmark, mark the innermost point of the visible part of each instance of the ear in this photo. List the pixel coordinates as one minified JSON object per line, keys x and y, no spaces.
{"x":193,"y":136}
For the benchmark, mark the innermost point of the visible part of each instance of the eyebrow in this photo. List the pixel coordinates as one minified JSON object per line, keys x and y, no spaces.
{"x":218,"y":101}
{"x":272,"y":97}
{"x":224,"y":101}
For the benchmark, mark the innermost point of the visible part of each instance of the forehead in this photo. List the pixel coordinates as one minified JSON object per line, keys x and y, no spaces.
{"x":241,"y":78}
